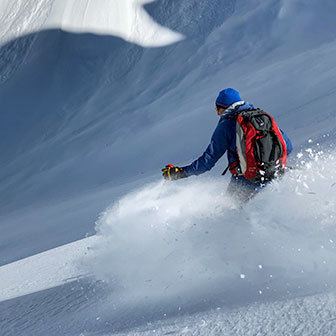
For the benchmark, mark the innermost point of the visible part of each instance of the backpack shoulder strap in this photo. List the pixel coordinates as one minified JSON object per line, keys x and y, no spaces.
{"x":231,"y":115}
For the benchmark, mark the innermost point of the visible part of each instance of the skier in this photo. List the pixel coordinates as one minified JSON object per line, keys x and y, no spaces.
{"x":269,"y":158}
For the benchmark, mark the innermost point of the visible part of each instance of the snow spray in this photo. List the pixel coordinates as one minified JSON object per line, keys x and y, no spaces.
{"x":189,"y":241}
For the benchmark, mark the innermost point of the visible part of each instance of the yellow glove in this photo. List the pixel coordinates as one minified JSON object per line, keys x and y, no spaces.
{"x":171,"y":172}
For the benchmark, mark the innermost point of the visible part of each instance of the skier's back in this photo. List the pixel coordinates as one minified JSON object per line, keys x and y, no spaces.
{"x":243,"y":184}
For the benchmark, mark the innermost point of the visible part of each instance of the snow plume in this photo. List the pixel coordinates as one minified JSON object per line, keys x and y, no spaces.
{"x":187,"y":241}
{"x":294,"y":226}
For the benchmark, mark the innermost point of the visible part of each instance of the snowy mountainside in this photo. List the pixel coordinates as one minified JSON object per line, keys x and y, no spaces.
{"x":92,"y":106}
{"x":83,"y":106}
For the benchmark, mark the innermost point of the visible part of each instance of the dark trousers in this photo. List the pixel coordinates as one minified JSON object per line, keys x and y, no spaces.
{"x":242,"y":190}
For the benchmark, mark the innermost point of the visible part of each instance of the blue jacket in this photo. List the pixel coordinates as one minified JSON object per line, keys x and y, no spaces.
{"x":223,"y":139}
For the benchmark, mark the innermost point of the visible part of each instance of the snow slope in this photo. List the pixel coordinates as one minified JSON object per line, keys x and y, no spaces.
{"x":93,"y":105}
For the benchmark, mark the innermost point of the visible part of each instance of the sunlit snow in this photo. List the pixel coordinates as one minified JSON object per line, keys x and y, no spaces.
{"x":124,"y":18}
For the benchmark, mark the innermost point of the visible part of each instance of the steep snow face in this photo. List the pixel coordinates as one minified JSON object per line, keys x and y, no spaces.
{"x":84,"y":99}
{"x":93,"y":104}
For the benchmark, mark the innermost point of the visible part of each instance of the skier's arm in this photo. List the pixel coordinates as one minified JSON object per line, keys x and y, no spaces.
{"x":212,"y":154}
{"x":289,"y":145}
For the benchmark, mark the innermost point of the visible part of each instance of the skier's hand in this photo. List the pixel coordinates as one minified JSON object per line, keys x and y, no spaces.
{"x":171,"y":172}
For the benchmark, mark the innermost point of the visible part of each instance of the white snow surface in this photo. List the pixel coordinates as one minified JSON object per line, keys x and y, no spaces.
{"x":124,"y":18}
{"x":44,"y":270}
{"x":96,"y":97}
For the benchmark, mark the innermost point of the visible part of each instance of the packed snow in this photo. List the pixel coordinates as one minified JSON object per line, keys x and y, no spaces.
{"x":96,"y":97}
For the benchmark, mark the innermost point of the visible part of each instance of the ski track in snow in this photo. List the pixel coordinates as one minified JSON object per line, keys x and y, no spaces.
{"x":275,"y":318}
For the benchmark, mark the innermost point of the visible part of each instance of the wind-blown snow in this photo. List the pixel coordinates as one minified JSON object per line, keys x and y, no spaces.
{"x":189,"y":240}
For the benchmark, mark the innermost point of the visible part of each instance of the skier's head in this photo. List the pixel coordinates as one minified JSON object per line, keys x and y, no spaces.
{"x":227,"y":97}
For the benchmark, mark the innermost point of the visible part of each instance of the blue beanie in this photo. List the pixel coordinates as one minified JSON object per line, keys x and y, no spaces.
{"x":228,"y":97}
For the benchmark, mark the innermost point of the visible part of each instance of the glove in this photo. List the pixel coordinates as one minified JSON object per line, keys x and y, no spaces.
{"x":171,"y":172}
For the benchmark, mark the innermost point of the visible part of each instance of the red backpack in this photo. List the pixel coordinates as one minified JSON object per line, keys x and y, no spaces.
{"x":261,"y":148}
